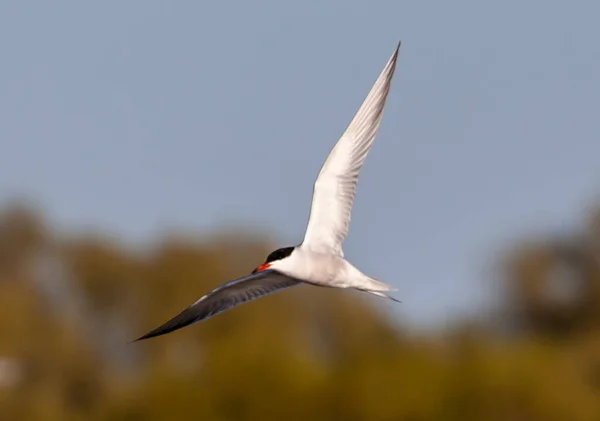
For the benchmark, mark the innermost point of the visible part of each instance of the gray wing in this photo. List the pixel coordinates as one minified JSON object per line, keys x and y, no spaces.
{"x":226,"y":296}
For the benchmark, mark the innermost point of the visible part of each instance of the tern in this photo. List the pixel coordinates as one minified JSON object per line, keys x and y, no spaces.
{"x":319,"y":259}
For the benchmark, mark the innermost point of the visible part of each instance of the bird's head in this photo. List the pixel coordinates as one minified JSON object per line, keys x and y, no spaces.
{"x":274,"y":258}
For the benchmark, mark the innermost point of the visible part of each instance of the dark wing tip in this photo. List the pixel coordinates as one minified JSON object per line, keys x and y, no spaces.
{"x":396,"y":51}
{"x":151,"y":334}
{"x":185,"y":318}
{"x":390,"y":66}
{"x":146,"y":336}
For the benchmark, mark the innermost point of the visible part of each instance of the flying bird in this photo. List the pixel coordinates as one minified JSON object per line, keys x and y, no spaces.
{"x":319,"y":259}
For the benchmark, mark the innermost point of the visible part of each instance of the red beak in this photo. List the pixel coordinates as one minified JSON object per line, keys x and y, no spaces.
{"x":261,"y":268}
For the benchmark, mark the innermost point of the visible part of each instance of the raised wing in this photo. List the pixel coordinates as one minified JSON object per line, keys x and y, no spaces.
{"x":334,"y":189}
{"x":226,"y":296}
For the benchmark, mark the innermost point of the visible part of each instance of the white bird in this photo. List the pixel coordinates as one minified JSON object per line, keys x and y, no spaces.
{"x":319,"y":259}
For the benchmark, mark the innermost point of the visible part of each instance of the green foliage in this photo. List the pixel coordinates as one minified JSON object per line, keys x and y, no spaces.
{"x":303,"y":354}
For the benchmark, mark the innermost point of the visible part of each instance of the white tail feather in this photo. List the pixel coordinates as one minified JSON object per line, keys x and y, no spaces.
{"x":380,"y":294}
{"x":371,"y":284}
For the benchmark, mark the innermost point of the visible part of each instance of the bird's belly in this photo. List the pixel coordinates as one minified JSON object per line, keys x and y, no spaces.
{"x":320,"y":269}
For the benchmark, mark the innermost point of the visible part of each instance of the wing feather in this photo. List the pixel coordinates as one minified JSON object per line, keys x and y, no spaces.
{"x":224,"y":297}
{"x":335,"y":187}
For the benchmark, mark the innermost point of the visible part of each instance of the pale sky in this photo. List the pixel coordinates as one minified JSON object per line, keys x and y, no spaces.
{"x":135,"y":116}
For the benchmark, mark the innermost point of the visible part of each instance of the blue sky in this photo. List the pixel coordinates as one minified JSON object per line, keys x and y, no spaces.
{"x":142,"y":115}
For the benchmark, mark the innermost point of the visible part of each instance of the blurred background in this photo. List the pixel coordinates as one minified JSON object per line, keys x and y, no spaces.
{"x":150,"y":151}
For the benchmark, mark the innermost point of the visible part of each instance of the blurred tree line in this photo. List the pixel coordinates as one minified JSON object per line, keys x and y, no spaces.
{"x":69,"y":306}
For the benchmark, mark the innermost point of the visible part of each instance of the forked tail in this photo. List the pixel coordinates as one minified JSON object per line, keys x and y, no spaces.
{"x":381,"y":294}
{"x":372,"y":284}
{"x":378,"y":288}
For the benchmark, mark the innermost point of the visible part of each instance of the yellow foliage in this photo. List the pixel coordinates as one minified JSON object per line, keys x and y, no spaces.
{"x":302,"y":354}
